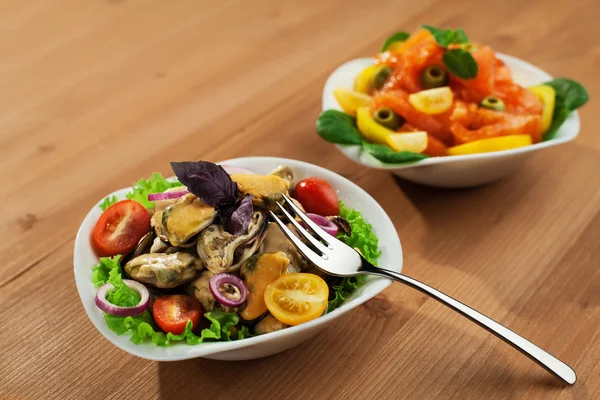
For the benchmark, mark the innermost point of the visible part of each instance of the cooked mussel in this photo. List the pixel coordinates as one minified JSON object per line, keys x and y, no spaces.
{"x":275,"y":240}
{"x":268,"y":324}
{"x":257,"y":272}
{"x":163,"y":270}
{"x":224,"y":252}
{"x":342,"y":223}
{"x":186,"y":218}
{"x":285,"y":172}
{"x":266,"y":189}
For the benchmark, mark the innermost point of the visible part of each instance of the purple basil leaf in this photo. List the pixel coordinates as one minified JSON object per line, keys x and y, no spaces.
{"x":208,"y":181}
{"x":237,"y":218}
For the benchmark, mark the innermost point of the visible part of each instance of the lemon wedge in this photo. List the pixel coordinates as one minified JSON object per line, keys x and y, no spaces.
{"x":350,"y":100}
{"x":411,"y":141}
{"x":489,"y":145}
{"x":547,"y":95}
{"x":432,"y":101}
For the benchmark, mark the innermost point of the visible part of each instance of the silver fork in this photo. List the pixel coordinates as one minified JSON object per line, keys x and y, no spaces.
{"x":336,"y":258}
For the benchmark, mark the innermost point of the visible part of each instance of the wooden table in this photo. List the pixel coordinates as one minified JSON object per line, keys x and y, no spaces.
{"x":95,"y":94}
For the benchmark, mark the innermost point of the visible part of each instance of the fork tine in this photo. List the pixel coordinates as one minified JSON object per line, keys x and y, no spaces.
{"x":303,"y":248}
{"x":303,"y":232}
{"x":321,"y":234}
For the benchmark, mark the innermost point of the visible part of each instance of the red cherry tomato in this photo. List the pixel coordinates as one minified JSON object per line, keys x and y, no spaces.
{"x":171,"y":313}
{"x":120,"y":228}
{"x":317,"y":196}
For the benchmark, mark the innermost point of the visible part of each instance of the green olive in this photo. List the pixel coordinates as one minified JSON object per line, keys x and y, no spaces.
{"x":388,"y":118}
{"x":493,"y":103}
{"x":433,"y":77}
{"x":381,"y":75}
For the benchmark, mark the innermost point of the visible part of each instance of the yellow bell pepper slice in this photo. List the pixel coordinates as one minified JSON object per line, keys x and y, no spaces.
{"x":410,"y":141}
{"x":491,"y":144}
{"x":370,"y":129}
{"x":432,"y":101}
{"x":547,"y":95}
{"x":363,"y":82}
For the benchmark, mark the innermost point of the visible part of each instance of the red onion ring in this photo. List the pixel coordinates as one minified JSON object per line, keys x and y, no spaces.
{"x":324,"y":224}
{"x":223,"y":279}
{"x":234,"y":169}
{"x":167,"y":195}
{"x":119,"y":311}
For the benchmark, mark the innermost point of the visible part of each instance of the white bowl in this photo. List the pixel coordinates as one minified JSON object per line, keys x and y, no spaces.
{"x":260,"y":346}
{"x":452,"y":171}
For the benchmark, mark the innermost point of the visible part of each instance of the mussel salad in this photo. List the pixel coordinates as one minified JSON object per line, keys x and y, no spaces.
{"x":197,"y":259}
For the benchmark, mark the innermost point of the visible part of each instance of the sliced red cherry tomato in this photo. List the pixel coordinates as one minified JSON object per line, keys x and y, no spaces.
{"x":317,"y":196}
{"x":171,"y":313}
{"x":120,"y":228}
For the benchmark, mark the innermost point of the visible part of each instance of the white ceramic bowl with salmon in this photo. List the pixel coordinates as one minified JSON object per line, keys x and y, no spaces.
{"x":453,"y":171}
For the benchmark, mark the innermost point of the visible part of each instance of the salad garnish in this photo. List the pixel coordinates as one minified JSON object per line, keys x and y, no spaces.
{"x":204,"y":253}
{"x":435,"y":93}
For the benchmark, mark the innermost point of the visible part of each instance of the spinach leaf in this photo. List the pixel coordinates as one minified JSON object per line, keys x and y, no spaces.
{"x":387,"y":155}
{"x":396,"y":37}
{"x":460,"y":63}
{"x":570,"y":95}
{"x":338,"y":127}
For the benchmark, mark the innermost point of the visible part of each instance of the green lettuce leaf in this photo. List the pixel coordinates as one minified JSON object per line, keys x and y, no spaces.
{"x":362,"y":238}
{"x":109,"y":201}
{"x":155,"y":184}
{"x":101,"y":272}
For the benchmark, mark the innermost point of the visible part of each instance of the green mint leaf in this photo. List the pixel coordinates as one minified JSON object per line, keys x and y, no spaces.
{"x":460,"y":63}
{"x":338,"y":127}
{"x":387,"y":155}
{"x":396,"y":37}
{"x":460,"y":37}
{"x":442,"y":36}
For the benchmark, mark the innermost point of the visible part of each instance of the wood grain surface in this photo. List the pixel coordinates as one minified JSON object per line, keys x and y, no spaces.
{"x":96,"y":94}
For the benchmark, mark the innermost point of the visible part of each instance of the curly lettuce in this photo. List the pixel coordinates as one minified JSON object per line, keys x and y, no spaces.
{"x":142,"y":328}
{"x":362,"y":238}
{"x":155,"y":184}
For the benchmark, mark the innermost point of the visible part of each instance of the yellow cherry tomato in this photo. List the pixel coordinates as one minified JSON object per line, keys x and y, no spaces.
{"x":350,"y":100}
{"x":297,"y":298}
{"x":369,"y":128}
{"x":411,"y":141}
{"x":491,"y":144}
{"x":548,"y":96}
{"x":363,"y":83}
{"x":432,"y":101}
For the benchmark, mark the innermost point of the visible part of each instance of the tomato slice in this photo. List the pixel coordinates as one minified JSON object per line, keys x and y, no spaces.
{"x":171,"y":313}
{"x":317,"y":196}
{"x":297,"y":298}
{"x":120,"y":228}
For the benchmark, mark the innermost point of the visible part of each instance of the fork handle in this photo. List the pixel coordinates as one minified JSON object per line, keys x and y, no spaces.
{"x":543,"y":358}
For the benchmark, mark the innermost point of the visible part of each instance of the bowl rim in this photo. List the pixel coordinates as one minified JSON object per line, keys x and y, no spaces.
{"x":156,"y":353}
{"x":350,"y":151}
